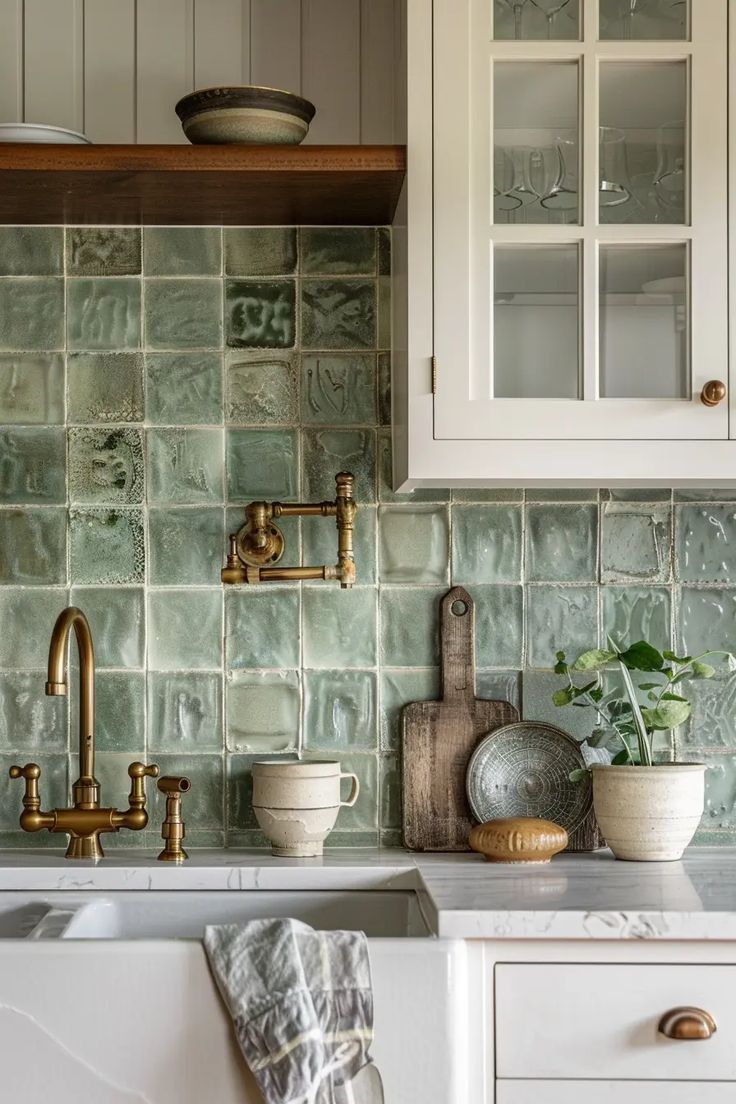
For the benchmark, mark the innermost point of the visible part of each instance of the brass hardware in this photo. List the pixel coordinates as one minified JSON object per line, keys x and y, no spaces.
{"x":259,"y":544}
{"x":687,"y":1023}
{"x":434,"y":375}
{"x":713,"y":393}
{"x":172,"y":829}
{"x":86,"y":819}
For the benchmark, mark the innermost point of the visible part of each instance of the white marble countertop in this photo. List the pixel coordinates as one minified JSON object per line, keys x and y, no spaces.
{"x":587,"y":896}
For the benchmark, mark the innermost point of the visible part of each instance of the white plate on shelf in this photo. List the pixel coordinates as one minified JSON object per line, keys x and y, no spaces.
{"x":39,"y":132}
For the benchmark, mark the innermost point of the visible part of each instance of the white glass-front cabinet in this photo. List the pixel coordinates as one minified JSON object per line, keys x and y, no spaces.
{"x":567,"y":244}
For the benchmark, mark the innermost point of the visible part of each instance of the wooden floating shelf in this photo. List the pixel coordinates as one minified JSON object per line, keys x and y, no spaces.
{"x":200,"y":185}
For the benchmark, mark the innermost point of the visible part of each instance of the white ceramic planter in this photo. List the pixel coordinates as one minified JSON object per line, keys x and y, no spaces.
{"x":296,"y":803}
{"x":649,"y":814}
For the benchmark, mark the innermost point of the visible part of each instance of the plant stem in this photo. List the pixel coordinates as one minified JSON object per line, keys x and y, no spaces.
{"x":645,"y":747}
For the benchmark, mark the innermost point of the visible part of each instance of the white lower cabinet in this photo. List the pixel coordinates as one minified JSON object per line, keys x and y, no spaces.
{"x":612,"y":1092}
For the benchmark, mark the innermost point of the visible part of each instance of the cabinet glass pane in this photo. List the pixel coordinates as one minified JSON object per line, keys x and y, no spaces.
{"x":644,"y":322}
{"x":644,"y":162}
{"x":536,"y":328}
{"x":666,"y":20}
{"x":536,"y":19}
{"x":535,"y":154}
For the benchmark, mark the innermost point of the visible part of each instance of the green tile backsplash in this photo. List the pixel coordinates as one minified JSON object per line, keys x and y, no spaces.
{"x":154,"y":381}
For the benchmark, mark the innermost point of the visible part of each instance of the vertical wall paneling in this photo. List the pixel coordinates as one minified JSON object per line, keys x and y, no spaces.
{"x":53,"y":62}
{"x":275,"y":49}
{"x":109,"y":70}
{"x":11,"y":60}
{"x":331,"y":68}
{"x":221,"y":42}
{"x":165,"y":50}
{"x":376,"y":71}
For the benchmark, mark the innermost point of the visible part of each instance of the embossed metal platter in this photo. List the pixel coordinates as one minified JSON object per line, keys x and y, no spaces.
{"x":524,"y":770}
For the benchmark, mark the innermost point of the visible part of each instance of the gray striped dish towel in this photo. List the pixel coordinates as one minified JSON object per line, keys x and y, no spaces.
{"x":301,"y":1002}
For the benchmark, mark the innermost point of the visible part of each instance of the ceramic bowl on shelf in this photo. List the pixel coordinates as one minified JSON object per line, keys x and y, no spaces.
{"x":248,"y":114}
{"x":39,"y":132}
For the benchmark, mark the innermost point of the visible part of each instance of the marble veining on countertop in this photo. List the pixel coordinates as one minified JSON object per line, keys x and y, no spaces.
{"x":586,"y":896}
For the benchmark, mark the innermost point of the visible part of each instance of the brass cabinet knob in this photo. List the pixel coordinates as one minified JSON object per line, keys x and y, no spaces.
{"x":687,"y":1023}
{"x":713,"y":393}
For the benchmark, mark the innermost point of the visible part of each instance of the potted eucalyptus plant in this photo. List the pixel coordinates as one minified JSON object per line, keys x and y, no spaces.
{"x":647,"y":810}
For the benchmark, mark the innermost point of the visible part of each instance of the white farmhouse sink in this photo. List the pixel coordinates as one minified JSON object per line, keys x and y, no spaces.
{"x":107,"y":996}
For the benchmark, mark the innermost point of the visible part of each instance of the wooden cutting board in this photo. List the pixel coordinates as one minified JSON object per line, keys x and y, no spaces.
{"x":438,"y":737}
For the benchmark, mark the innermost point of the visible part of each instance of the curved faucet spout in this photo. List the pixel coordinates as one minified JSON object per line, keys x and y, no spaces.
{"x":86,"y":789}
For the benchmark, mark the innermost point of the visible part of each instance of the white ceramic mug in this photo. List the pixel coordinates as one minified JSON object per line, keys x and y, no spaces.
{"x":296,"y":802}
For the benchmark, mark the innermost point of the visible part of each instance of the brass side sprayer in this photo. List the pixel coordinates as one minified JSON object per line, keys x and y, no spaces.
{"x":259,"y":544}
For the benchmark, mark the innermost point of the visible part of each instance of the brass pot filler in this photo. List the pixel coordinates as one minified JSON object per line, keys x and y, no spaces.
{"x":254,"y":549}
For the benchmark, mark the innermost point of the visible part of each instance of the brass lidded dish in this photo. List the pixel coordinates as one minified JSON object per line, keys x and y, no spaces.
{"x":518,"y":840}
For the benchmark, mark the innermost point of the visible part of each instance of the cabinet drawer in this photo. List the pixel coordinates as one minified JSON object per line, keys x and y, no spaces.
{"x":613,"y":1092}
{"x":599,"y":1022}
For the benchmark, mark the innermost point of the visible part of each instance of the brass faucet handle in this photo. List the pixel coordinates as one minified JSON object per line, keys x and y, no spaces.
{"x":138,"y":772}
{"x":141,"y":770}
{"x":173,"y":829}
{"x":31,"y":772}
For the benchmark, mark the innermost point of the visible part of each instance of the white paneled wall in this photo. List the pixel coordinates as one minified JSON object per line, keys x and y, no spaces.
{"x":115,"y":68}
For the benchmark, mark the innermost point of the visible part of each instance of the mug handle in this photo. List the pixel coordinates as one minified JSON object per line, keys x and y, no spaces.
{"x":354,"y":790}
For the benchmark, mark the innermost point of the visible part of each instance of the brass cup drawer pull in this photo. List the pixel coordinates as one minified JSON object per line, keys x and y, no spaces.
{"x":713,"y":393}
{"x":687,"y":1023}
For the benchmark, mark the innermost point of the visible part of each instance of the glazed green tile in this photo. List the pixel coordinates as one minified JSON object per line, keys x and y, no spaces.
{"x":390,"y":791}
{"x":390,"y":837}
{"x":338,"y":250}
{"x":364,"y":814}
{"x":410,"y":625}
{"x":705,"y":544}
{"x":340,"y":710}
{"x":384,"y":250}
{"x":106,"y":466}
{"x":185,"y":545}
{"x":637,"y":613}
{"x":338,"y":314}
{"x":31,"y":251}
{"x":707,"y":619}
{"x":500,"y":685}
{"x":635,"y":543}
{"x":319,"y":541}
{"x":107,"y":546}
{"x":712,"y":724}
{"x":722,"y":494}
{"x":184,"y":712}
{"x":339,"y":627}
{"x":263,"y":711}
{"x":32,"y":313}
{"x":262,"y":388}
{"x":398,"y":688}
{"x":385,"y":478}
{"x":499,"y":625}
{"x":184,"y":388}
{"x":560,"y":618}
{"x":108,"y":251}
{"x":185,"y":466}
{"x":260,"y":250}
{"x":239,"y":783}
{"x":204,"y":802}
{"x":339,"y":839}
{"x":33,"y":546}
{"x":339,"y":390}
{"x":537,"y":705}
{"x":561,"y":543}
{"x":486,"y":544}
{"x":262,"y":627}
{"x":562,"y":494}
{"x":413,"y":544}
{"x":720,"y":792}
{"x":262,"y":464}
{"x":32,"y":388}
{"x":32,"y":466}
{"x":105,"y":387}
{"x":384,"y":307}
{"x":53,"y":787}
{"x":27,"y":617}
{"x":625,"y":494}
{"x":104,"y":313}
{"x":479,"y":494}
{"x":183,"y":314}
{"x":120,"y":711}
{"x":384,"y":389}
{"x":117,"y":619}
{"x":29,"y":720}
{"x":182,"y":251}
{"x":260,"y":314}
{"x":184,"y":629}
{"x":329,"y":451}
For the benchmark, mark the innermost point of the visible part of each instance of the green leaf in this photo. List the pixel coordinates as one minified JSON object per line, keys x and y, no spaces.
{"x":674,"y":697}
{"x":560,"y":668}
{"x":642,"y":657}
{"x":649,"y":685}
{"x":597,"y":694}
{"x":602,"y":738}
{"x":594,"y":660}
{"x":621,"y":759}
{"x":560,"y":657}
{"x":702,"y":670}
{"x":564,"y":696}
{"x":667,"y":715}
{"x":675,"y":658}
{"x":651,"y":696}
{"x":580,"y":775}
